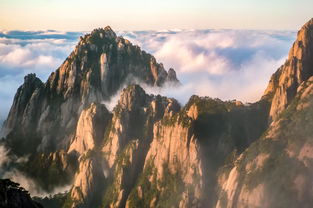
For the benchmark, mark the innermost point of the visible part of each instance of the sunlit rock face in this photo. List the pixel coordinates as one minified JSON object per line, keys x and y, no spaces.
{"x":128,"y":140}
{"x":90,"y":128}
{"x":172,"y":173}
{"x":98,"y":67}
{"x":89,"y":181}
{"x":297,"y":69}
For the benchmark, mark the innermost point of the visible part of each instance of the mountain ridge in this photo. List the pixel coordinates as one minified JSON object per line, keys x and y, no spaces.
{"x":97,"y":68}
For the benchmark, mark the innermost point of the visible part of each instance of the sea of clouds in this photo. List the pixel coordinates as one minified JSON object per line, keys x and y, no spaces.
{"x":228,"y":64}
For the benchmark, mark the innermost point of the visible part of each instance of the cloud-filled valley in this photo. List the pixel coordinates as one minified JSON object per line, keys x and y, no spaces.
{"x":228,"y":64}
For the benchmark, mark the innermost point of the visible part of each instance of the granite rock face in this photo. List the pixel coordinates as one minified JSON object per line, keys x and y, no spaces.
{"x":297,"y":69}
{"x":153,"y":148}
{"x":89,"y":181}
{"x":90,"y":128}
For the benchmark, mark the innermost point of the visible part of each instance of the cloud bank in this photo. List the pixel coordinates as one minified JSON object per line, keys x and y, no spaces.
{"x":228,"y":64}
{"x":23,"y":52}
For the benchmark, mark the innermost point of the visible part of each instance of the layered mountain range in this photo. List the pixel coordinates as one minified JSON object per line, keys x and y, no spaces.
{"x":150,"y":151}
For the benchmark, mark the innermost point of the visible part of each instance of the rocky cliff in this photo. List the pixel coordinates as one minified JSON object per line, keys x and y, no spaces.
{"x":297,"y":69}
{"x":153,"y":148}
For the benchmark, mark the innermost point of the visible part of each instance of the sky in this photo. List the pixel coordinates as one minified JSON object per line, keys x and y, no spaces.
{"x":84,"y":15}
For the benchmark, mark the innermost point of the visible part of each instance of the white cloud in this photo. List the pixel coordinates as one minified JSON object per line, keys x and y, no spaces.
{"x":228,"y":64}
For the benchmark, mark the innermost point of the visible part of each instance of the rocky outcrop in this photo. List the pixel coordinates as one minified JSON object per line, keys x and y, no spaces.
{"x":172,"y":174}
{"x":14,"y":196}
{"x":90,"y":129}
{"x":130,"y":159}
{"x":297,"y":69}
{"x":23,"y":103}
{"x":127,"y":142}
{"x":141,"y":147}
{"x":98,"y":67}
{"x":89,"y":181}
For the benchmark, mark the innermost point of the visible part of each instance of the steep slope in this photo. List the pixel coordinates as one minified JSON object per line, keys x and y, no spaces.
{"x":187,"y":146}
{"x":276,"y":170}
{"x":90,"y":129}
{"x":100,"y":65}
{"x":89,"y":181}
{"x":125,"y":143}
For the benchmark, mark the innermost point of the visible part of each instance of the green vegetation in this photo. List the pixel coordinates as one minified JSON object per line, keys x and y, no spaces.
{"x":91,"y":153}
{"x":210,"y":105}
{"x":172,"y":187}
{"x":115,"y":182}
{"x":164,"y":192}
{"x":21,"y":144}
{"x":149,"y":188}
{"x":180,"y":118}
{"x":43,"y":170}
{"x":68,"y":201}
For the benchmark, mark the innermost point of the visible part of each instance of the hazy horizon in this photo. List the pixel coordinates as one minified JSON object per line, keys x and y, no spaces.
{"x":150,"y":15}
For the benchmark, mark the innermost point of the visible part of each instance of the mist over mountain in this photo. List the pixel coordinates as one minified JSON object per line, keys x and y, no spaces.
{"x":212,"y":58}
{"x":150,"y":150}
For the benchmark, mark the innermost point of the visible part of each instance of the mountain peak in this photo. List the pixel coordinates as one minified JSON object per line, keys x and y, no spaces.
{"x":105,"y":32}
{"x":99,"y":37}
{"x":97,"y":68}
{"x":132,"y":96}
{"x":108,"y":28}
{"x":303,"y":46}
{"x":309,"y":24}
{"x":30,"y":77}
